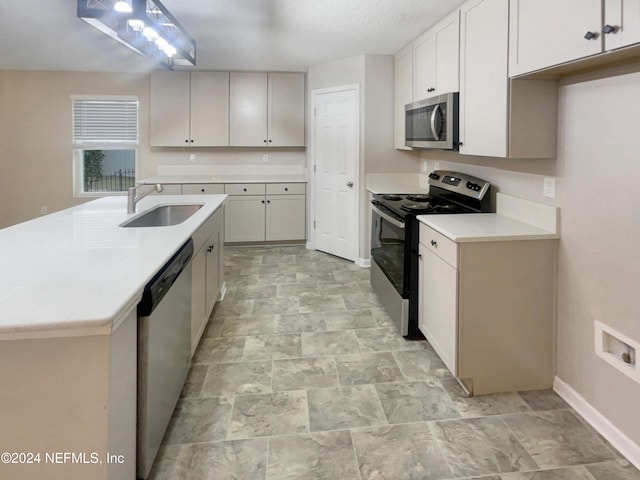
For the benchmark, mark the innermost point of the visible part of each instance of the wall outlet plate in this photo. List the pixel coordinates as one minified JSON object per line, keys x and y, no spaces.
{"x":549,"y":187}
{"x":192,"y":157}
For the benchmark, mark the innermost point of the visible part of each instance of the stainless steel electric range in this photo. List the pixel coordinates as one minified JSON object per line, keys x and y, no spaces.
{"x":394,"y":238}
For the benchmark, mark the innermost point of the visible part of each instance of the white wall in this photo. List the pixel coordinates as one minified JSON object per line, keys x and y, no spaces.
{"x":597,"y":168}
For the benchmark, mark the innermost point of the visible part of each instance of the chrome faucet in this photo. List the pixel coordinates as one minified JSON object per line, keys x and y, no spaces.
{"x":132,"y":198}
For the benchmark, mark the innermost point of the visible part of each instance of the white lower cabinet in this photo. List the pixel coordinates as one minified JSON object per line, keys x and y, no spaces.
{"x":265,"y":212}
{"x":488,"y":310}
{"x":207,"y":273}
{"x":245,"y":218}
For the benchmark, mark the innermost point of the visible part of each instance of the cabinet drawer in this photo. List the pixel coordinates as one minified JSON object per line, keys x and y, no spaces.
{"x":168,"y":189}
{"x":199,"y":188}
{"x":286,"y":188}
{"x":201,"y":235}
{"x":437,"y":243}
{"x":244,"y":188}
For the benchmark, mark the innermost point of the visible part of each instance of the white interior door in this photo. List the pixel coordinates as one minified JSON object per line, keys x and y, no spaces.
{"x":335,"y":152}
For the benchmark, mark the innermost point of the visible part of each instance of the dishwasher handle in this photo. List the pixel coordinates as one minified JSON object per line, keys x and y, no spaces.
{"x":162,"y":281}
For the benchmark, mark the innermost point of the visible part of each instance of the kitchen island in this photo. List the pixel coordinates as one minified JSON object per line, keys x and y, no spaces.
{"x":68,"y":299}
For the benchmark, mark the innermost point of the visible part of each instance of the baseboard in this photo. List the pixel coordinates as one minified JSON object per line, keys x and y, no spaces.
{"x":363,"y":262}
{"x":603,"y":426}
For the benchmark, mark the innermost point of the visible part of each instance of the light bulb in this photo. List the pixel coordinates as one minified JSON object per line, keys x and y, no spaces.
{"x":161,"y":43}
{"x":135,"y":24}
{"x":170,"y":50}
{"x":123,"y":7}
{"x":149,"y":33}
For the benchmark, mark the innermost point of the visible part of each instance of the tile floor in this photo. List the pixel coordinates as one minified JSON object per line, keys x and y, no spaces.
{"x":300,"y":375}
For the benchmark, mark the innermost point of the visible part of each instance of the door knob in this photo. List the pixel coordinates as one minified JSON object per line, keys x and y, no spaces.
{"x":349,"y":184}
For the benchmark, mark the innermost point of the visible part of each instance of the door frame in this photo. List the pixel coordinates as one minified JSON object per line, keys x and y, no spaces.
{"x":311,"y":240}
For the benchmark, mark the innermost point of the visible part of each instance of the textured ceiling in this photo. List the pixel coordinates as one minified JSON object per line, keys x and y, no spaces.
{"x":287,"y":35}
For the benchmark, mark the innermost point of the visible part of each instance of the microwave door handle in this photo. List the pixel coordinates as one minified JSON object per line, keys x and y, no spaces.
{"x":388,"y":218}
{"x":434,"y":115}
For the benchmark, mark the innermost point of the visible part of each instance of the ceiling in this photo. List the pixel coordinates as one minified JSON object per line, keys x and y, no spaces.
{"x":284,"y":35}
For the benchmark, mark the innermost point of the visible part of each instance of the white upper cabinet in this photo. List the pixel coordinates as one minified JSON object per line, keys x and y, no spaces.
{"x":621,"y":23}
{"x":209,"y":109}
{"x":500,"y":117}
{"x":435,"y":59}
{"x":189,"y":109}
{"x":248,"y":109}
{"x":169,"y":109}
{"x":484,"y":88}
{"x":286,"y":109}
{"x":404,"y":92}
{"x":266,"y":109}
{"x":547,"y":33}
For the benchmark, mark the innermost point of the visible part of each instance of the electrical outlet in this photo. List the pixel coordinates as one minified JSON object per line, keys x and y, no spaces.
{"x":265,"y":157}
{"x":425,"y":167}
{"x":549,"y":187}
{"x":436,"y":166}
{"x":192,"y":157}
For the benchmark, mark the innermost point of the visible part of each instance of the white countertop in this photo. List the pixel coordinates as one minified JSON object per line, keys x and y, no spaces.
{"x":76,"y":272}
{"x":179,"y":179}
{"x":484,"y":227}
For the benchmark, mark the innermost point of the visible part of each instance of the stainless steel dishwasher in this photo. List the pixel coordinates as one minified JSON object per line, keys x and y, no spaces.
{"x":164,"y":352}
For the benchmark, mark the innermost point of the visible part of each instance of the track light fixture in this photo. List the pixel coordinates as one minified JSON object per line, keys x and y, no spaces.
{"x":144,"y":26}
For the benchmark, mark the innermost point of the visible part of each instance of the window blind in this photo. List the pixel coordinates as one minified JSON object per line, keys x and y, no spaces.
{"x":105,"y":121}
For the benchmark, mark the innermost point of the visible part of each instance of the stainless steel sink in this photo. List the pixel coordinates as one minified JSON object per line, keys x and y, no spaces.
{"x":163,"y":216}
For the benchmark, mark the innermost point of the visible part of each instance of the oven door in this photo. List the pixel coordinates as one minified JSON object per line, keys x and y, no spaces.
{"x":388,"y":247}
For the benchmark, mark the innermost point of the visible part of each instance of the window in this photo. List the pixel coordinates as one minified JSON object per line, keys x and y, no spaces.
{"x":105,"y":137}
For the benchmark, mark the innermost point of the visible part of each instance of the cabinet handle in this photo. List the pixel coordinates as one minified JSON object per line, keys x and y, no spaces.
{"x":262,"y":201}
{"x":186,"y":141}
{"x":191,"y":140}
{"x":434,"y":243}
{"x":609,"y":29}
{"x":590,"y":35}
{"x":268,"y":201}
{"x":286,"y":189}
{"x":210,"y":248}
{"x":269,"y":141}
{"x":244,"y":189}
{"x":264,"y":141}
{"x":202,"y":190}
{"x":431,"y":89}
{"x":420,"y":256}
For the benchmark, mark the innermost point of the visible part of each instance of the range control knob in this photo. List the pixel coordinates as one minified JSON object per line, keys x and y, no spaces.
{"x":435,"y":176}
{"x":473,"y":186}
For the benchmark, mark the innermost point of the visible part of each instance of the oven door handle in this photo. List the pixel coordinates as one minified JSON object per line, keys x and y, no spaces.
{"x":387,"y":217}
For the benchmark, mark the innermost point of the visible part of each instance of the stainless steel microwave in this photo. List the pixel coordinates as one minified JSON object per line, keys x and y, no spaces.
{"x":432,"y":123}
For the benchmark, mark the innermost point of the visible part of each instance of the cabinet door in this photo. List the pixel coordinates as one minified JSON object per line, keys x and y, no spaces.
{"x":213,"y":250}
{"x":209,"y":109}
{"x":624,"y":17}
{"x":248,"y":109}
{"x":286,"y":217}
{"x":245,"y":218}
{"x":483,"y":78}
{"x":169,"y":109}
{"x":435,"y":56}
{"x":424,"y":66}
{"x":438,"y":298}
{"x":544,"y":33}
{"x":286,"y":110}
{"x":198,"y":294}
{"x":404,"y":92}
